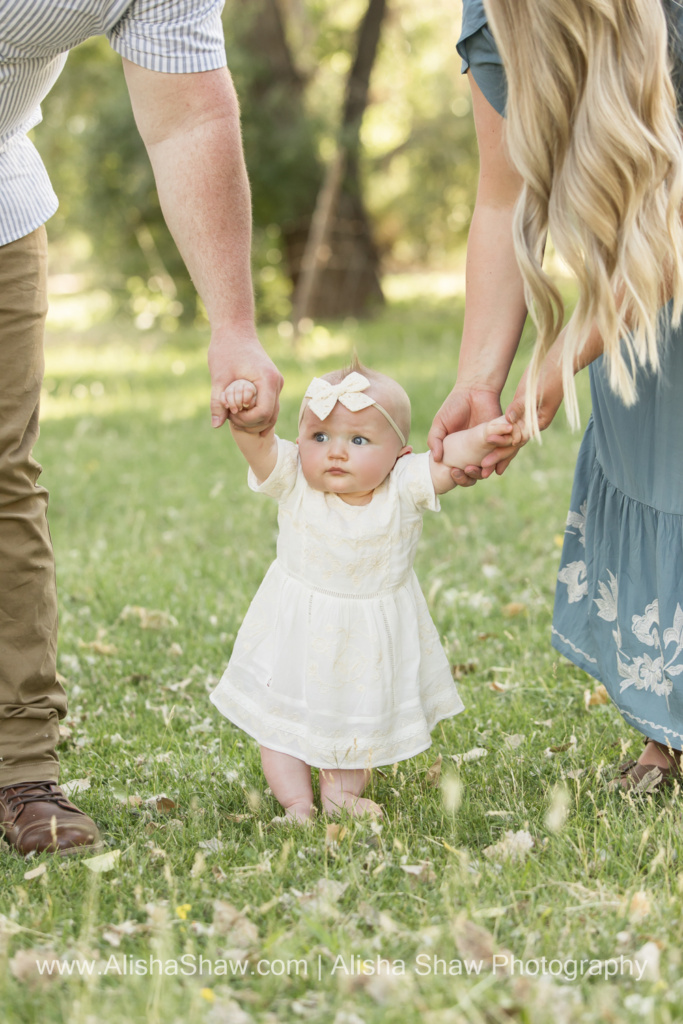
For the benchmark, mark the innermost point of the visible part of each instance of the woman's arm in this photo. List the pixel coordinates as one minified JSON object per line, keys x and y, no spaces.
{"x":495,"y":309}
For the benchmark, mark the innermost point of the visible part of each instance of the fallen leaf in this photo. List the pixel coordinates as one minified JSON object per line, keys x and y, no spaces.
{"x":499,"y":687}
{"x":161,"y":803}
{"x":514,"y":846}
{"x":24,"y":965}
{"x":234,"y":925}
{"x":64,"y":733}
{"x":199,"y":865}
{"x":471,"y":755}
{"x":647,"y":957}
{"x":218,"y":873}
{"x":598,"y":696}
{"x":558,"y":811}
{"x":238,"y":817}
{"x":473,"y":941}
{"x":638,"y":910}
{"x":175,"y":650}
{"x":515,"y":740}
{"x":75,"y":786}
{"x":423,"y":871}
{"x":104,"y":862}
{"x":499,"y":814}
{"x":98,"y":647}
{"x":212,"y":845}
{"x":148,"y":618}
{"x":35,"y":872}
{"x":465,"y":668}
{"x":433,"y":773}
{"x":334,"y":834}
{"x":114,"y":933}
{"x":514,"y":608}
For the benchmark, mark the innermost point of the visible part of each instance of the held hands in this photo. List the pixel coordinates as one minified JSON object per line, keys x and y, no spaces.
{"x":463,"y":409}
{"x":243,"y":361}
{"x":239,"y":397}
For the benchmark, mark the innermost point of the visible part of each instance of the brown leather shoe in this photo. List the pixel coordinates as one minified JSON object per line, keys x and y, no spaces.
{"x":37,"y":817}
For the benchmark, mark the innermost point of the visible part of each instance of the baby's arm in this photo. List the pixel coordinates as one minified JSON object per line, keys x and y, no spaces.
{"x":260,"y":450}
{"x":468,"y":448}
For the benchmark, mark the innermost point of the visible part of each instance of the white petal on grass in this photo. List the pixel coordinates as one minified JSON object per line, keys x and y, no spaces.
{"x":104,"y":862}
{"x":75,"y":786}
{"x":558,"y":811}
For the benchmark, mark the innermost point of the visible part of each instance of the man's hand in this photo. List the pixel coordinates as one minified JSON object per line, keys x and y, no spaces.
{"x":466,"y":407}
{"x":233,"y":358}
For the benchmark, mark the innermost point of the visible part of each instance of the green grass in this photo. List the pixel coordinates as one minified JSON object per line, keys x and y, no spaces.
{"x":150,"y":508}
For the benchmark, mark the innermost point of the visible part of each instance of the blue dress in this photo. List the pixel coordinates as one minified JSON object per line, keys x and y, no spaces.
{"x":619,"y":598}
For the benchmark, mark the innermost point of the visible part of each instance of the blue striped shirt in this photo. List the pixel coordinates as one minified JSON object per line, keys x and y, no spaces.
{"x":35,"y":37}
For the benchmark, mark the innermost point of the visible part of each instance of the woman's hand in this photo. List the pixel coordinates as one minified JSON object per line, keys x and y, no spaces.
{"x":465,"y":407}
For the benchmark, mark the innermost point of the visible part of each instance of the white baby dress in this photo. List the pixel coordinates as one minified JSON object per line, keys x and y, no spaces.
{"x":338,"y":662}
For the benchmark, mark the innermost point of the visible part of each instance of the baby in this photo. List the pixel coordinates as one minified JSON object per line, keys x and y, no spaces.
{"x":338,"y":664}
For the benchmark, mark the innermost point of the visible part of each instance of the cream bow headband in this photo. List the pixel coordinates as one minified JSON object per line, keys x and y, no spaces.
{"x":323,"y":397}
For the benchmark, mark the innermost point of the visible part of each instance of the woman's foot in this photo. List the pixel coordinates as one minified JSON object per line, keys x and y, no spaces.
{"x":657,"y":766}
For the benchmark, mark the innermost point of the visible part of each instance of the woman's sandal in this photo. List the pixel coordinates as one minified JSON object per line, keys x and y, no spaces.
{"x":635,"y":777}
{"x":644,"y":778}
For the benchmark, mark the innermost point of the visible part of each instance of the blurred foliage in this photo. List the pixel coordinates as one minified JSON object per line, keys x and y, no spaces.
{"x":419,"y":160}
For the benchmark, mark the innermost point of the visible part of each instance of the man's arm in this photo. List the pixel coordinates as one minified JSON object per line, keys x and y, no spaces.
{"x":190,"y":126}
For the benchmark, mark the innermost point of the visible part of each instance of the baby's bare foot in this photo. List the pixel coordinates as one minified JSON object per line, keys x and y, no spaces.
{"x":357,"y":806}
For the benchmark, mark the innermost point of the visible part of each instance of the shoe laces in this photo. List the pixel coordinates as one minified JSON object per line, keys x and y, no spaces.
{"x":17,"y":797}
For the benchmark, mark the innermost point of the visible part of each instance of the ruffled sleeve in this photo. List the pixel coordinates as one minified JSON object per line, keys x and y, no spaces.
{"x":480,"y":55}
{"x":281,"y":481}
{"x":413,"y":479}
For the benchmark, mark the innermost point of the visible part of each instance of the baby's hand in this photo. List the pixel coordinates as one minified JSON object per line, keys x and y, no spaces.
{"x":238,"y":396}
{"x":503,"y":434}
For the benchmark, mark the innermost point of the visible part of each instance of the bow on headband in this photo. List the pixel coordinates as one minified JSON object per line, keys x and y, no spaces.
{"x":323,"y":397}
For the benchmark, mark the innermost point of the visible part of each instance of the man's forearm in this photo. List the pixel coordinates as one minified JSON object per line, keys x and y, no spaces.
{"x":190,"y":126}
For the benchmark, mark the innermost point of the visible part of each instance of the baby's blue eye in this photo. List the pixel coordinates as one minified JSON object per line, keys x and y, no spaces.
{"x":320,"y":436}
{"x":359,"y":440}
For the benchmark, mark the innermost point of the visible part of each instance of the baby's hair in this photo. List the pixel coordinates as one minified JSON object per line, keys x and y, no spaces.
{"x":592,"y":129}
{"x":383,"y":389}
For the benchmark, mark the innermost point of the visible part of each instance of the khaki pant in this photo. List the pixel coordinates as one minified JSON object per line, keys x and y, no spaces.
{"x":31,"y":699}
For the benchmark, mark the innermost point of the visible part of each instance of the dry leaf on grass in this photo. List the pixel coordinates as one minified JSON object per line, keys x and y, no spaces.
{"x":639,"y":907}
{"x":647,"y":958}
{"x":322,"y":898}
{"x":514,"y":846}
{"x":104,"y":862}
{"x":24,"y":966}
{"x":423,"y":871}
{"x":598,"y":696}
{"x":233,"y":924}
{"x":514,"y":608}
{"x":433,"y":773}
{"x":98,"y":647}
{"x":212,"y":845}
{"x":75,"y":786}
{"x":558,"y":811}
{"x":35,"y":872}
{"x":148,"y":618}
{"x":161,"y":802}
{"x":114,"y":933}
{"x":515,"y":740}
{"x":334,"y":834}
{"x":471,"y":755}
{"x":473,"y":941}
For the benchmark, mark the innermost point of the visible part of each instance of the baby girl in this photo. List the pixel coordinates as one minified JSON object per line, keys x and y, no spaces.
{"x":338,"y":664}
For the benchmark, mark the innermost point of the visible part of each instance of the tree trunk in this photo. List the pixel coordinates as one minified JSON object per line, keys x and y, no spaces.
{"x":338,"y":272}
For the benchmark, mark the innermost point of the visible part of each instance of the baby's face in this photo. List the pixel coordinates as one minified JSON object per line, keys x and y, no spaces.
{"x":348,"y":453}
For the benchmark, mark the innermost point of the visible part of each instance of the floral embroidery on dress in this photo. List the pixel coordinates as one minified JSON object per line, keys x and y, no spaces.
{"x":577,"y":521}
{"x":574,"y":576}
{"x":644,"y":671}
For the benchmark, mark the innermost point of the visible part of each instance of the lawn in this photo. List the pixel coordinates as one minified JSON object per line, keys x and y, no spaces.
{"x":505,"y":883}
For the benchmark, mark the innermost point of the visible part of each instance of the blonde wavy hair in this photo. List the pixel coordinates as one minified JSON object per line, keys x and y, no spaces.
{"x":592,"y":129}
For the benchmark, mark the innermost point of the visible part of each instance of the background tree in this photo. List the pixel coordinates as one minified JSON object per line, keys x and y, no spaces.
{"x":413,"y":166}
